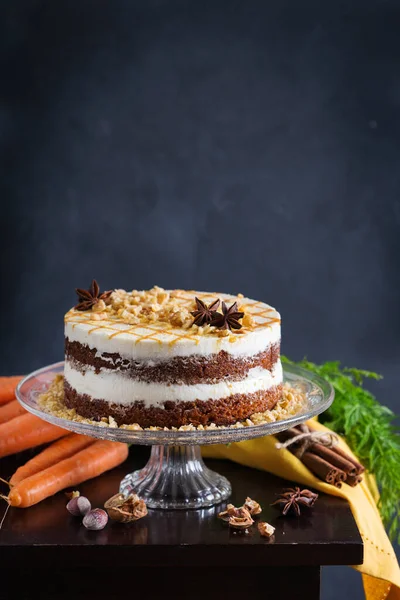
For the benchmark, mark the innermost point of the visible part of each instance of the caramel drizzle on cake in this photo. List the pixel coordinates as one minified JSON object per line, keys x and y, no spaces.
{"x":260,"y":313}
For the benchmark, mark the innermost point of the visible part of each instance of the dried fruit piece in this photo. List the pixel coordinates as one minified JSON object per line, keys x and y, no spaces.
{"x":242,"y":520}
{"x":265,"y":529}
{"x":126,"y":509}
{"x":95,"y":519}
{"x":78,"y":506}
{"x":252,"y":506}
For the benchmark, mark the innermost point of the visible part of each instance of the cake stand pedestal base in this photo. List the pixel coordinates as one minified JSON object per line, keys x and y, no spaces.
{"x":176,"y":477}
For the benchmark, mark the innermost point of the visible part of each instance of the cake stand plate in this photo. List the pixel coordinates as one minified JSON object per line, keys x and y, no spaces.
{"x":175,"y":476}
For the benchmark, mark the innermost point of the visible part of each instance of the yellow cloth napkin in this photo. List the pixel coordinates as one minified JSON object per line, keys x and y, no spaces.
{"x":380,"y":570}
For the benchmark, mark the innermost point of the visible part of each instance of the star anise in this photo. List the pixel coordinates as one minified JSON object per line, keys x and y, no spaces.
{"x":229,"y":319}
{"x":90,"y":297}
{"x":204,"y":314}
{"x":291,"y":500}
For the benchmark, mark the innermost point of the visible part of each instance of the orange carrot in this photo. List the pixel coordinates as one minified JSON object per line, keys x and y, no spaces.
{"x":86,"y":464}
{"x":7,"y":388}
{"x":53,"y":454}
{"x":10,"y":411}
{"x":26,"y":431}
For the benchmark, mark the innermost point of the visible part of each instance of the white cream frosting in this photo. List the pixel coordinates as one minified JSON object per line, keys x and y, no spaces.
{"x":161,"y":342}
{"x":116,"y":388}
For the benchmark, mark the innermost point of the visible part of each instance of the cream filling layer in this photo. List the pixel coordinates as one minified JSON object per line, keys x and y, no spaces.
{"x":115,"y":388}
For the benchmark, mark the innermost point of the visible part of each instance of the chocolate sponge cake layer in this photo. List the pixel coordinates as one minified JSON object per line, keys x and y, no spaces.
{"x":223,"y":411}
{"x":189,"y":370}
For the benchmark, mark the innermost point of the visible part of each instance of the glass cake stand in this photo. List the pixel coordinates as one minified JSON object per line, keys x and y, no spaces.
{"x":175,"y":476}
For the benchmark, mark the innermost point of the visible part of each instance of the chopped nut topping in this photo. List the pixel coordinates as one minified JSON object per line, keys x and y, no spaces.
{"x":129,"y":316}
{"x":223,"y":332}
{"x":265,"y":529}
{"x":98,"y":316}
{"x":252,"y":506}
{"x":162,"y":296}
{"x":99,"y":307}
{"x":160,"y":306}
{"x":180,"y":317}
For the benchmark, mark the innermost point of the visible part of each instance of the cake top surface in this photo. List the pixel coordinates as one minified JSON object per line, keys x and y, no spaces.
{"x":164,"y":317}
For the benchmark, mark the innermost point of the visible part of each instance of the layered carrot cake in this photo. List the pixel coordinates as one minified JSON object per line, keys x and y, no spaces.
{"x":168,"y":358}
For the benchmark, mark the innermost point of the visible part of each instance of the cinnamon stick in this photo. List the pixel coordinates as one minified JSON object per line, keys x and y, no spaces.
{"x":298,"y":447}
{"x":359,"y":467}
{"x":288,"y":434}
{"x":304,"y":428}
{"x":332,"y":465}
{"x":353,"y":480}
{"x":324,"y":469}
{"x":337,"y":450}
{"x":334,"y":459}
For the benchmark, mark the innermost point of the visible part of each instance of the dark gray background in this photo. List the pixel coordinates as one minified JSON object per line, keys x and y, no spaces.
{"x":233,"y":146}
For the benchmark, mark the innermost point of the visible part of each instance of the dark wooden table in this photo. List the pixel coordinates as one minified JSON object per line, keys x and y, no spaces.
{"x":46,"y":553}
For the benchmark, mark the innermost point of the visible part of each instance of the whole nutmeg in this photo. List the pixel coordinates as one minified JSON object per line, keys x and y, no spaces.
{"x":125,"y":509}
{"x":79,"y":506}
{"x":95,"y":519}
